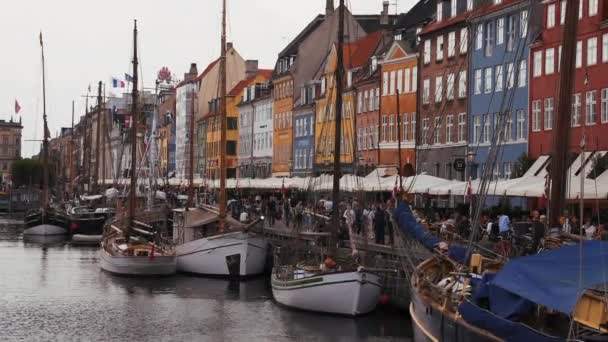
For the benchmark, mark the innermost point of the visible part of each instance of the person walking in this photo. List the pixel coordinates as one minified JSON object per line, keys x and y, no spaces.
{"x":380,"y":224}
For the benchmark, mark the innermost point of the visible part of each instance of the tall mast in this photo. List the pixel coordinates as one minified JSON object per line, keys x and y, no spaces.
{"x":97,"y":142}
{"x":104,"y":129}
{"x":399,"y":167}
{"x":134,"y":123}
{"x":191,"y":166}
{"x":338,"y":125}
{"x":70,"y":155}
{"x":561,"y":137}
{"x":45,"y":141}
{"x":223,"y":120}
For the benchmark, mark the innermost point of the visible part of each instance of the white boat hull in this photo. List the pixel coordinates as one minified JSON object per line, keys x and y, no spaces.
{"x":81,"y":239}
{"x":344,"y":293}
{"x":45,"y":230}
{"x":137,"y":265}
{"x":238,"y":254}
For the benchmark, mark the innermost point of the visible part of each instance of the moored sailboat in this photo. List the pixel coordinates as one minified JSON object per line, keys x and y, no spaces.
{"x":207,"y":241}
{"x":47,"y":220}
{"x":131,"y":246}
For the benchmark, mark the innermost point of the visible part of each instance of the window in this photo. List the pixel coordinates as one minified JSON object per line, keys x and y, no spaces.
{"x":427,"y":53}
{"x":499,"y":78}
{"x":592,"y":7}
{"x":559,"y":58}
{"x":489,"y":38}
{"x":477,"y":81}
{"x":580,"y":9}
{"x":604,"y":105}
{"x":392,"y":84}
{"x":576,"y":110}
{"x":453,"y":8}
{"x":549,"y":61}
{"x":479,"y":37}
{"x":461,"y":127}
{"x":590,"y":113}
{"x":231,"y":148}
{"x":391,"y":128}
{"x":426,"y":91}
{"x":487,"y":121}
{"x":508,"y":127}
{"x":439,"y":56}
{"x":425,"y":131}
{"x":549,"y":114}
{"x":400,"y":81}
{"x":562,"y":13}
{"x":488,"y":81}
{"x":377,"y":99}
{"x":438,"y":88}
{"x":551,"y":16}
{"x":538,"y":63}
{"x":462,"y":85}
{"x":359,"y":102}
{"x":366,"y":101}
{"x":406,"y":127}
{"x":523,"y":22}
{"x":521,"y":79}
{"x":437,"y":131}
{"x":451,"y":44}
{"x":414,"y":79}
{"x":450,"y":90}
{"x":521,"y":125}
{"x":407,"y":80}
{"x":511,"y":33}
{"x":439,"y":10}
{"x":592,"y":51}
{"x":579,"y":54}
{"x":449,"y":124}
{"x":605,"y":48}
{"x":413,"y":121}
{"x":500,"y":31}
{"x":536,"y":116}
{"x":464,"y":40}
{"x":384,"y":83}
{"x":469,"y":5}
{"x":510,"y":76}
{"x":476,"y":128}
{"x":384,"y":127}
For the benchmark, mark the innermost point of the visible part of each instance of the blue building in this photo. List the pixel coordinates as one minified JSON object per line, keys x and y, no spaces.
{"x":302,"y":164}
{"x":498,"y":74}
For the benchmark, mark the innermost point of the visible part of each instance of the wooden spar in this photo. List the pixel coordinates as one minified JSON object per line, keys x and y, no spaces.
{"x":561,"y":136}
{"x":399,"y":145}
{"x":134,"y":123}
{"x":85,"y":142}
{"x":191,"y":166}
{"x":97,"y":142}
{"x":70,"y":155}
{"x":338,"y":129}
{"x":45,"y":141}
{"x":223,"y":121}
{"x":104,"y":129}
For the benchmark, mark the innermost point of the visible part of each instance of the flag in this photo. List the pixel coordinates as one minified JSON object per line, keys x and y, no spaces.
{"x":17,"y":107}
{"x":128,"y":78}
{"x":116,"y":83}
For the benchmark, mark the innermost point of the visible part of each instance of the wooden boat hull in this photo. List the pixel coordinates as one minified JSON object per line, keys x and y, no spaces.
{"x":137,"y":265}
{"x":343,"y":293}
{"x":238,"y":254}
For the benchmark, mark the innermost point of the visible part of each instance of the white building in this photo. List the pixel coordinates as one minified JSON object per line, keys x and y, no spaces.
{"x":262,"y":131}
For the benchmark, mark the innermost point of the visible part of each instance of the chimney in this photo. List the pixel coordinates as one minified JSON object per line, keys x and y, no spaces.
{"x":228,"y":46}
{"x":192,"y":74}
{"x":384,"y":13}
{"x":329,"y":7}
{"x":251,"y":68}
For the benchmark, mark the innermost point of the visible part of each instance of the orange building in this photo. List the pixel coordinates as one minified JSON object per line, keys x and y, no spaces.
{"x":282,"y":124}
{"x":398,"y":107}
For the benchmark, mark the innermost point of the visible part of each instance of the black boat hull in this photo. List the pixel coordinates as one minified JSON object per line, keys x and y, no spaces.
{"x":52,"y":218}
{"x":92,"y":225}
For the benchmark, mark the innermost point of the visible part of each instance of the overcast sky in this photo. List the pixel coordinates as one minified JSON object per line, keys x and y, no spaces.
{"x":90,"y":41}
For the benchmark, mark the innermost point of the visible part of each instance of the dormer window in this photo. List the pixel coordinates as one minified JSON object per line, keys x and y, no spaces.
{"x":439,"y":11}
{"x":323,"y":85}
{"x":245,"y":95}
{"x":349,"y":79}
{"x":374,"y":64}
{"x":453,"y":8}
{"x":469,"y":5}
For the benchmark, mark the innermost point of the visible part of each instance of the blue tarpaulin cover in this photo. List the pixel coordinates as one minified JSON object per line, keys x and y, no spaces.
{"x":552,"y":278}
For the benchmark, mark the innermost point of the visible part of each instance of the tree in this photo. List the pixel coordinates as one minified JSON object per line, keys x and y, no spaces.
{"x":523,"y":164}
{"x":26,"y":172}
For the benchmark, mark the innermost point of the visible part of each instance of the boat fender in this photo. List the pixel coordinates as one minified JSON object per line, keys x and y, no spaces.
{"x":329,"y":263}
{"x":383,"y":300}
{"x":74,"y":226}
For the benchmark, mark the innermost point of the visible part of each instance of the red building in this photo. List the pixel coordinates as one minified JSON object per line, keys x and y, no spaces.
{"x":590,"y":96}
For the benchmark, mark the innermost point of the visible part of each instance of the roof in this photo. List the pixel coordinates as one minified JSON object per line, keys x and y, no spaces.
{"x":358,"y":53}
{"x":371,"y":22}
{"x":292,"y":47}
{"x":434,"y":25}
{"x":421,"y":12}
{"x":266,"y":73}
{"x":535,"y":279}
{"x":200,"y":77}
{"x":493,"y":8}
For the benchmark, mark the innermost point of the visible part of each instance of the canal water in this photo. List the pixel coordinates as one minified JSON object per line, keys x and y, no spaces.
{"x":56,"y":292}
